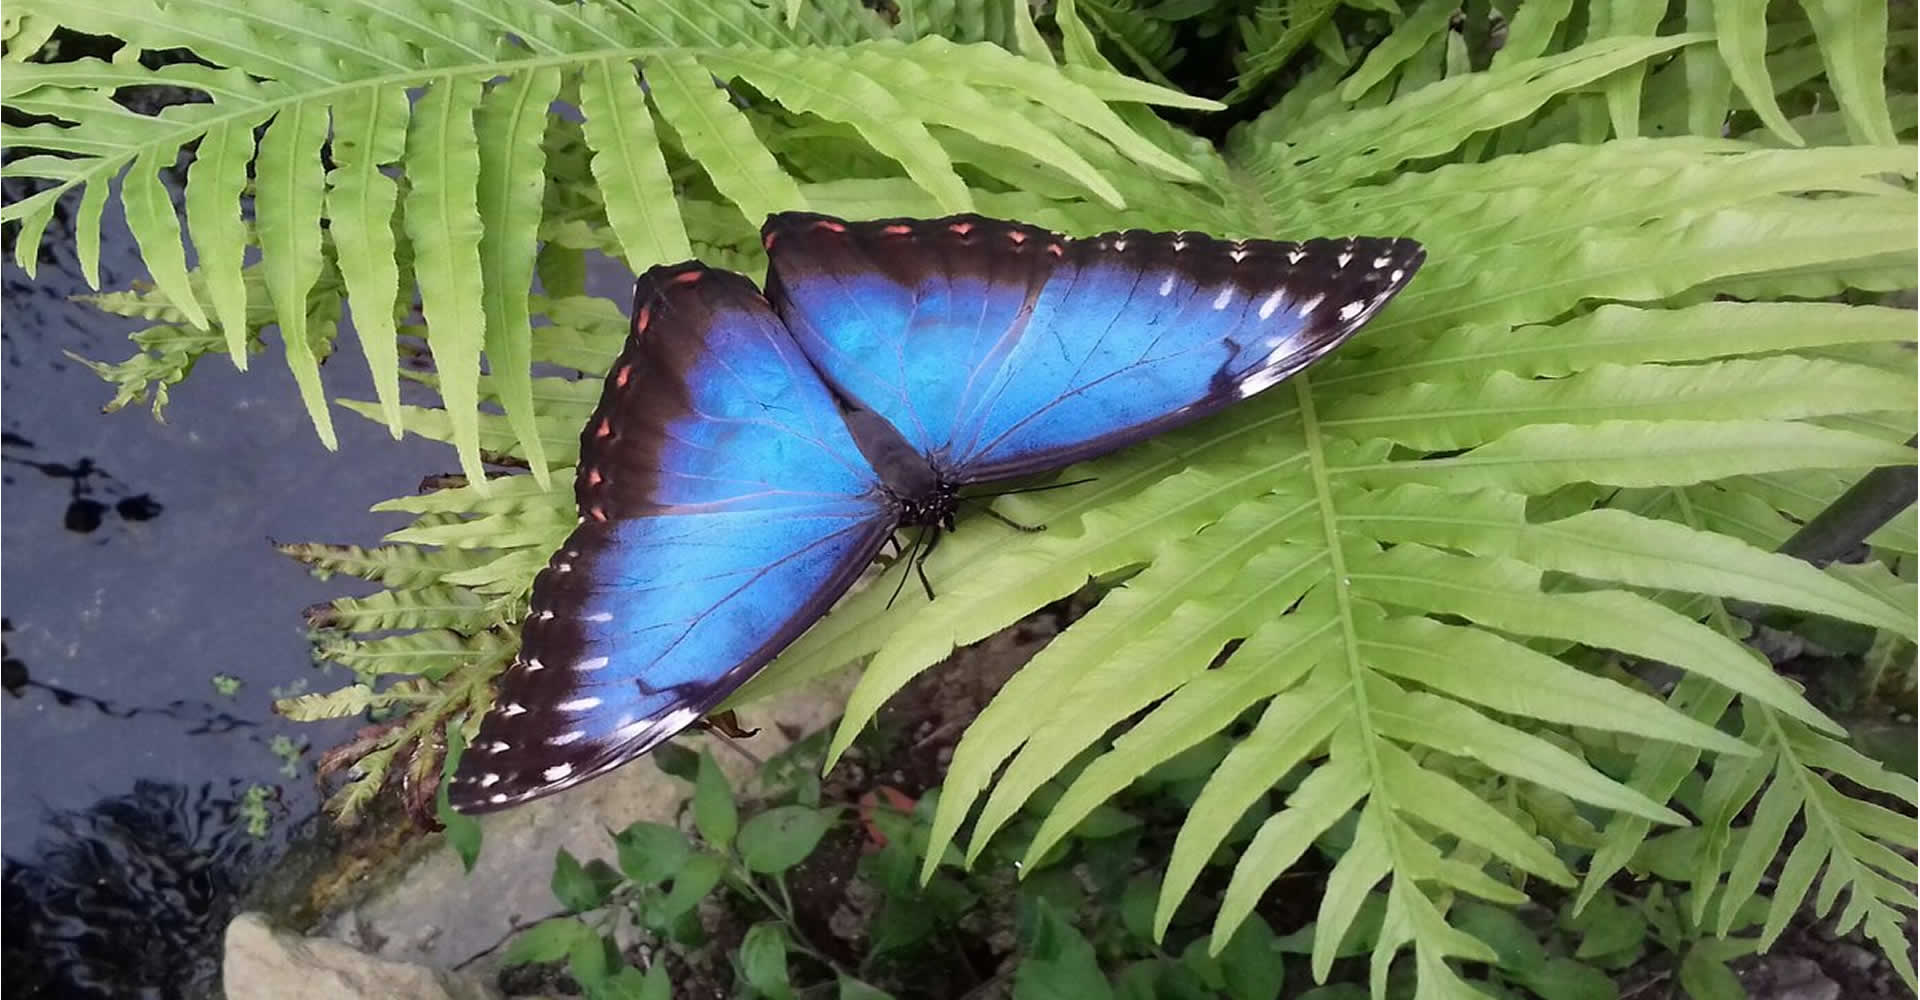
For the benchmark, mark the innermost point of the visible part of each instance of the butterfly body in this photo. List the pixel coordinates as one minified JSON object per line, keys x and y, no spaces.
{"x":750,"y":454}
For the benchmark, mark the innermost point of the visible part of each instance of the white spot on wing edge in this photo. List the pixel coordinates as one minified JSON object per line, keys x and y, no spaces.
{"x":1352,"y":309}
{"x":1272,"y":302}
{"x":599,"y":616}
{"x":1307,"y":307}
{"x":591,"y":663}
{"x":1166,"y":286}
{"x":556,"y":772}
{"x":1220,"y":301}
{"x":489,"y":779}
{"x":579,"y":704}
{"x":1260,"y":378}
{"x":565,"y":738}
{"x":512,"y":708}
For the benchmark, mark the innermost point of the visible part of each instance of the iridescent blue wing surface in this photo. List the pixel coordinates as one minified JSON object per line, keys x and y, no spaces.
{"x":999,"y":349}
{"x":724,"y":507}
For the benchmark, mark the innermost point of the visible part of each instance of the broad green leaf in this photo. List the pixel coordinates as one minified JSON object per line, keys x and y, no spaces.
{"x":1057,"y":962}
{"x":763,"y":960}
{"x":691,"y":884}
{"x":714,"y":814}
{"x":651,"y":853}
{"x":776,"y":840}
{"x":581,"y":887}
{"x":547,"y":941}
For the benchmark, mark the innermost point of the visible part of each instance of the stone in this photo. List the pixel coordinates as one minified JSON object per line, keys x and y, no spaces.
{"x":265,"y":964}
{"x":439,"y":915}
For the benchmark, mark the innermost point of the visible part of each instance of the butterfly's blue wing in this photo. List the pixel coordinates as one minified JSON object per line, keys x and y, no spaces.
{"x":724,"y":507}
{"x":999,"y":349}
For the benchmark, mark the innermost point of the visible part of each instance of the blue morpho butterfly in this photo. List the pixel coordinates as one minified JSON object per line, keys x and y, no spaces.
{"x":751,"y":454}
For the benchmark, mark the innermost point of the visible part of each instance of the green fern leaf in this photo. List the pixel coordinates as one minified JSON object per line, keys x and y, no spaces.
{"x":214,"y":185}
{"x":443,"y":159}
{"x":369,"y":132}
{"x":287,"y":207}
{"x":511,"y":181}
{"x":627,"y":163}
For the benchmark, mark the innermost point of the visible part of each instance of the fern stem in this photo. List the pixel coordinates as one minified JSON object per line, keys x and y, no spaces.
{"x":1859,"y":512}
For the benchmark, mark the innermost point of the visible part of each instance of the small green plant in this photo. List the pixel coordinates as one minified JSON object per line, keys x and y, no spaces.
{"x":663,"y":876}
{"x":226,"y":684}
{"x":1080,"y":925}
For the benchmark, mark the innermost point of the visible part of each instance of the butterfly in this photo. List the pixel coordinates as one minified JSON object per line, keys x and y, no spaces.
{"x":752,"y":453}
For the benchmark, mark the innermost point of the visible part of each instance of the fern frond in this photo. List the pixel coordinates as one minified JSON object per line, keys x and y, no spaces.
{"x":394,"y":565}
{"x":437,"y":606}
{"x":473,"y":152}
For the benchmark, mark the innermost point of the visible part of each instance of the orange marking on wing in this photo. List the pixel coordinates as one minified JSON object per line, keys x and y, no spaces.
{"x":1056,"y":249}
{"x":594,"y":478}
{"x":896,"y":230}
{"x":641,"y":320}
{"x":620,"y":377}
{"x":961,"y":228}
{"x":831,"y":226}
{"x":1017,"y":236}
{"x":766,"y":240}
{"x":603,"y":429}
{"x":596,"y":513}
{"x":688,"y":277}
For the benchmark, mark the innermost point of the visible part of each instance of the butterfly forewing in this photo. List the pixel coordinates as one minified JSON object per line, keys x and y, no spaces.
{"x":1069,"y":348}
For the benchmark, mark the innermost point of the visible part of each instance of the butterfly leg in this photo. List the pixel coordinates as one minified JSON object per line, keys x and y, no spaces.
{"x":920,"y":564}
{"x":911,"y":551}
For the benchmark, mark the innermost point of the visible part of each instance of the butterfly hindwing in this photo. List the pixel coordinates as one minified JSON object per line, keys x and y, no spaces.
{"x":724,"y":507}
{"x":1001,"y":349}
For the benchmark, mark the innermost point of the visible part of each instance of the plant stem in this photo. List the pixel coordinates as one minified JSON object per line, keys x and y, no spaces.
{"x":785,"y":913}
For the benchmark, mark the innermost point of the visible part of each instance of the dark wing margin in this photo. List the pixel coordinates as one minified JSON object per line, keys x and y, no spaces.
{"x":724,"y":508}
{"x":1073,"y":348}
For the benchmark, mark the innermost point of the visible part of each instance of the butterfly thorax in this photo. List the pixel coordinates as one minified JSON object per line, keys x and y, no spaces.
{"x":919,"y":493}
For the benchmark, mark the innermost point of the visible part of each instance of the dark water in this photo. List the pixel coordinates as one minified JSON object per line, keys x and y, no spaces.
{"x":136,"y":567}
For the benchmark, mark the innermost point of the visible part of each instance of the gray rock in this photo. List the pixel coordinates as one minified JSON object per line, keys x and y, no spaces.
{"x":265,"y":964}
{"x":1788,"y":977}
{"x":437,"y":914}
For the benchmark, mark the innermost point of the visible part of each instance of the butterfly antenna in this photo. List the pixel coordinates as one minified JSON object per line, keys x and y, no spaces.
{"x":996,"y":515}
{"x":1035,"y":489}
